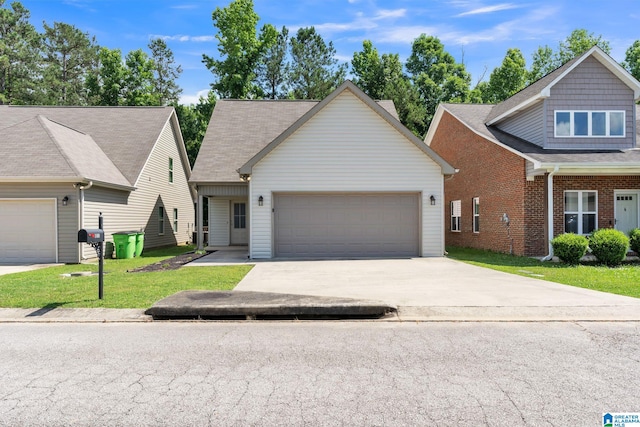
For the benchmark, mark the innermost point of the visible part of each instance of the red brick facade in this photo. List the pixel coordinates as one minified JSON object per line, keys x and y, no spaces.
{"x":497,"y":177}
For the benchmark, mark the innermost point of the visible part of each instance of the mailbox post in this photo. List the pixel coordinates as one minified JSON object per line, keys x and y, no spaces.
{"x":95,"y":238}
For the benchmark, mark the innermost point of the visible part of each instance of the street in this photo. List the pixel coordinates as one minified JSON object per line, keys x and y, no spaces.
{"x":317,"y":373}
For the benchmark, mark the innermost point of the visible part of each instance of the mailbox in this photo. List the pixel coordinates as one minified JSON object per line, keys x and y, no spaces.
{"x":90,"y":236}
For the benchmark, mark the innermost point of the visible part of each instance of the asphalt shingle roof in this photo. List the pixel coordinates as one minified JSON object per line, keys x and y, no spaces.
{"x":126,"y":136}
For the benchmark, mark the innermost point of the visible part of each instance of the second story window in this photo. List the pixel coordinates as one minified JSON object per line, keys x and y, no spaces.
{"x":170,"y":169}
{"x":592,"y":124}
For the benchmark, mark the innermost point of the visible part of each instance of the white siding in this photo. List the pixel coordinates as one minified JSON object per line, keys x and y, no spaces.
{"x":346,"y":147}
{"x":138,"y":210}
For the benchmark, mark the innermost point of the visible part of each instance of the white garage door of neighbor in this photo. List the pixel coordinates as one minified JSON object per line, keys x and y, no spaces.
{"x":346,"y":225}
{"x":27,"y":231}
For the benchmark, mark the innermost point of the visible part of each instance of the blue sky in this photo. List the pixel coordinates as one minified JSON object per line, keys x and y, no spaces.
{"x":478,"y":32}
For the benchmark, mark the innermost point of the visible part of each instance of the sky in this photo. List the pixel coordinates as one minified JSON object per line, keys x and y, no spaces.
{"x":476,"y":32}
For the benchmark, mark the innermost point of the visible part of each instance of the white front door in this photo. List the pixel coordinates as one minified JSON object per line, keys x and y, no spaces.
{"x":218,"y":222}
{"x":626,"y":211}
{"x":239,"y":232}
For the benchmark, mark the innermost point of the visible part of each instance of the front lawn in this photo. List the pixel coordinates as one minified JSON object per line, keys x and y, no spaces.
{"x":623,"y":280}
{"x":48,"y":288}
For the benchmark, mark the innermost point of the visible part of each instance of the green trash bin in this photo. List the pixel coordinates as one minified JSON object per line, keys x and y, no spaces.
{"x":139,"y":243}
{"x":125,"y":243}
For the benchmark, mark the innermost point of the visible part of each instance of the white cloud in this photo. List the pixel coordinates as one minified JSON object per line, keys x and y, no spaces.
{"x":490,"y":9}
{"x":189,"y":99}
{"x":361,"y":21}
{"x":183,"y":38}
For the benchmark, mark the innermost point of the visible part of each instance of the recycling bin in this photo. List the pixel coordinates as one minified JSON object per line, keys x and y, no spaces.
{"x":125,"y":243}
{"x":139,"y":243}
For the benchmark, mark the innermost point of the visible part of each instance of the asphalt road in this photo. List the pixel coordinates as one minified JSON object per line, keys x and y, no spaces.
{"x":317,"y":373}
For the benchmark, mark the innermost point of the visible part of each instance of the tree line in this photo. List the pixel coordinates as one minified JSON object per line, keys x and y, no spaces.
{"x":64,"y":66}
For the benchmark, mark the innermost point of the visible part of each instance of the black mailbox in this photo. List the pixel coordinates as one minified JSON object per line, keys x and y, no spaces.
{"x":90,"y":236}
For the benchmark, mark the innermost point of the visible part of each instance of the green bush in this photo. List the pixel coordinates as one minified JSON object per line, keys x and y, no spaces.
{"x":569,"y":247}
{"x":634,"y":240}
{"x":609,"y":246}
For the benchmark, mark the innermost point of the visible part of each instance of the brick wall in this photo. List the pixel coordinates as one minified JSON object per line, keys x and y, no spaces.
{"x":492,"y":173}
{"x":604,"y":185}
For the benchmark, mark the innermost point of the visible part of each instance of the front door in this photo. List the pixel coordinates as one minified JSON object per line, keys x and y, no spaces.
{"x":239,"y":233}
{"x":626,"y":211}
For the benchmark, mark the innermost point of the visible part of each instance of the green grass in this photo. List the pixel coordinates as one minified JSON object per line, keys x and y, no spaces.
{"x":622,"y":280}
{"x":47,"y":288}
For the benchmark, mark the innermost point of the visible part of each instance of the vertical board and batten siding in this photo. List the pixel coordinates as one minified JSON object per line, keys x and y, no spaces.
{"x":346,"y":147}
{"x":224,"y":190}
{"x":528,"y":124}
{"x":67,"y":216}
{"x":138,"y":210}
{"x":591,"y":86}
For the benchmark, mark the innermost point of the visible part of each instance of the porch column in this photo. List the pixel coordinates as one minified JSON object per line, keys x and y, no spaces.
{"x":199,"y":219}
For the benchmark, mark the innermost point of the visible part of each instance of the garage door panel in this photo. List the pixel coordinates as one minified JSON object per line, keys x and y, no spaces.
{"x":27,"y":231}
{"x":337,"y":225}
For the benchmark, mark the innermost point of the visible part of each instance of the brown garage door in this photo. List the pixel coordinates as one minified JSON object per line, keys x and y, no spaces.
{"x":346,"y":225}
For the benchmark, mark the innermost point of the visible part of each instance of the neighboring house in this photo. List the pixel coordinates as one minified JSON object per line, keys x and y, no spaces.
{"x":340,"y":177}
{"x":559,"y":156}
{"x":62,"y":166}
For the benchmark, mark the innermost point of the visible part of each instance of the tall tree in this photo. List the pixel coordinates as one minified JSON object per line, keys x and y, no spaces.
{"x":436,"y":74}
{"x":194,"y":120}
{"x":241,"y":47}
{"x":369,"y":71}
{"x":273,"y":69}
{"x":579,"y":41}
{"x":632,"y":59}
{"x":140,"y":83}
{"x":106,"y":84}
{"x":166,"y":72}
{"x":68,"y":55}
{"x":315,"y":71}
{"x":507,"y":79}
{"x":19,"y":54}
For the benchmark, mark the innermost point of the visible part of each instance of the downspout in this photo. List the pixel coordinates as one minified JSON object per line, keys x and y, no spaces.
{"x":550,"y":211}
{"x":81,"y":187}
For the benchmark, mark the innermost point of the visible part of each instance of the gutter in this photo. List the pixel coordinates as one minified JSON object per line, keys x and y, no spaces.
{"x":550,"y":211}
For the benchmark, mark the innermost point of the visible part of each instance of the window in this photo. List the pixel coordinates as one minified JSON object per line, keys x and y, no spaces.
{"x":160,"y":219}
{"x":456,"y":213}
{"x":476,"y":214}
{"x":170,"y":169}
{"x":589,"y":124}
{"x":175,"y":220}
{"x":580,"y":212}
{"x":239,"y":215}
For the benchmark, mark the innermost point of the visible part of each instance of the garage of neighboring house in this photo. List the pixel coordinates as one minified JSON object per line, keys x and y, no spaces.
{"x":28,"y":229}
{"x":346,"y":225}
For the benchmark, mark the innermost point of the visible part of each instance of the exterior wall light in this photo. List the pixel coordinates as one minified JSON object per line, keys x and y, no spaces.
{"x":65,"y":200}
{"x":432,"y":199}
{"x":260,"y":201}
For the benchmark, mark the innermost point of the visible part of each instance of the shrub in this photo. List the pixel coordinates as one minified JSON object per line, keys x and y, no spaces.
{"x":634,"y":240}
{"x":609,"y":246}
{"x":569,"y":247}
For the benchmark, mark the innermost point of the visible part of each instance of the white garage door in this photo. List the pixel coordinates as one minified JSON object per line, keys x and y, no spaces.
{"x":27,"y":231}
{"x":346,"y":225}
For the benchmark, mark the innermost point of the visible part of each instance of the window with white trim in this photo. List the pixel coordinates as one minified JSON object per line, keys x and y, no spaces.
{"x":476,"y":214}
{"x":175,"y":220}
{"x":580,"y":212}
{"x":160,"y":219}
{"x":589,"y":124}
{"x":170,"y":169}
{"x":456,"y":213}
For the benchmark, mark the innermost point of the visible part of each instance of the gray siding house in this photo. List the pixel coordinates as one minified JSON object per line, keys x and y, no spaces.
{"x":341,"y":177}
{"x":559,"y":156}
{"x":62,"y":166}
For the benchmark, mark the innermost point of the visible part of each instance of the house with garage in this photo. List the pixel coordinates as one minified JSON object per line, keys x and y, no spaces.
{"x":62,"y":166}
{"x":560,"y":156}
{"x":340,"y":177}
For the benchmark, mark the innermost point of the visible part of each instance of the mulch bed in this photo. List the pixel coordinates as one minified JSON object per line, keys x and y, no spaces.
{"x":169,"y":264}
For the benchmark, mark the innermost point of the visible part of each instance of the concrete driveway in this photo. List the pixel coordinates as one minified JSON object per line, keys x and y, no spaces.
{"x":19,"y":268}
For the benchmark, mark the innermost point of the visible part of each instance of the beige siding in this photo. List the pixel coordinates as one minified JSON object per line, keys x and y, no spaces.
{"x":346,"y":147}
{"x":224,"y":190}
{"x":528,"y":125}
{"x":138,"y":210}
{"x":67,"y":216}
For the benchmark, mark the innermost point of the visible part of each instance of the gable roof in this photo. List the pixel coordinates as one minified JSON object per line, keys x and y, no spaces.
{"x":125,"y":135}
{"x":473,"y":116}
{"x":239,"y":129}
{"x":383,"y":113}
{"x":542,"y":88}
